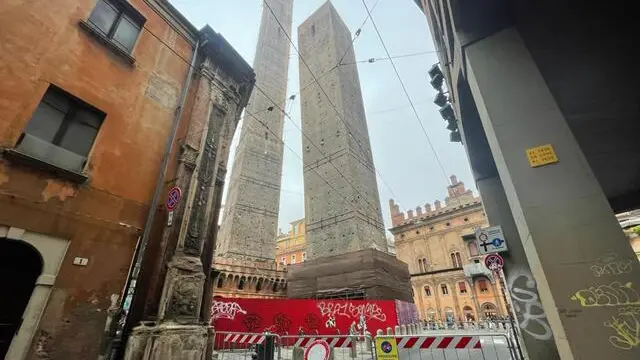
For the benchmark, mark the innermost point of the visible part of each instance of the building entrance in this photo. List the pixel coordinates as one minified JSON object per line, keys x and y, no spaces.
{"x":20,"y":266}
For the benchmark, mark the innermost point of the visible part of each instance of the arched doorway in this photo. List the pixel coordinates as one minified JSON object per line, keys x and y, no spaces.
{"x":468,"y":313}
{"x":489,"y":311}
{"x":20,"y":267}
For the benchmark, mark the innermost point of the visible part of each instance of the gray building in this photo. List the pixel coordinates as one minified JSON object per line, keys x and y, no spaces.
{"x":545,"y":97}
{"x":342,"y":205}
{"x":250,"y":223}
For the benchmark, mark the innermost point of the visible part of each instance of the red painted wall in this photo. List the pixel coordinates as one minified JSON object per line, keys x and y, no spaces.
{"x":288,"y":316}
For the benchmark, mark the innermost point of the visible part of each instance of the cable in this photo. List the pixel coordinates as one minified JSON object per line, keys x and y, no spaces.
{"x":372,"y":60}
{"x":324,"y":92}
{"x":395,"y":69}
{"x":301,"y":159}
{"x":325,"y":156}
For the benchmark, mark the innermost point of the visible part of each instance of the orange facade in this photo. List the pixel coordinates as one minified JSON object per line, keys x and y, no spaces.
{"x":449,"y":280}
{"x":96,"y":209}
{"x":291,"y":248}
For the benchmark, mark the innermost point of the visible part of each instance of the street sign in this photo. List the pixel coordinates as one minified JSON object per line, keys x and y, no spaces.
{"x":386,"y":348}
{"x":490,"y":240}
{"x":173,"y":198}
{"x":317,"y":350}
{"x":494,"y":262}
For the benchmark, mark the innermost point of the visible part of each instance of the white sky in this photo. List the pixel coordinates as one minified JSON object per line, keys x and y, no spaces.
{"x":400,"y":150}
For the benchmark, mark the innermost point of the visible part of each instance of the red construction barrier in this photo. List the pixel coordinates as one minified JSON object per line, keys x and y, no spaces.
{"x":302,"y":316}
{"x":439,"y":342}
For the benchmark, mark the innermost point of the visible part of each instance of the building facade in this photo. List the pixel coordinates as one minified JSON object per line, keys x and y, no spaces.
{"x":91,"y":101}
{"x":250,"y":222}
{"x":449,"y":280}
{"x":342,"y":208}
{"x":523,"y":85}
{"x":291,"y":248}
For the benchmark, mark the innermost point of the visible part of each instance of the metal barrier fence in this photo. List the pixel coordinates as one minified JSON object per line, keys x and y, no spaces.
{"x":245,"y":346}
{"x":452,"y":346}
{"x":470,"y":346}
{"x":341,"y":347}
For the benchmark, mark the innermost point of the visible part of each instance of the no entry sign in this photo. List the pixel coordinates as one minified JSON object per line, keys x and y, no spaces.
{"x":494,"y":262}
{"x":317,"y":350}
{"x":173,"y":198}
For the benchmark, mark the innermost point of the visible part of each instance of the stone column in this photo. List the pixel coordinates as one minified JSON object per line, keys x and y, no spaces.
{"x":182,"y":330}
{"x":581,"y":261}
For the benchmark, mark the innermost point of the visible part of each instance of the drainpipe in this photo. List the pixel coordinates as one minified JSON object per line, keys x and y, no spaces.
{"x":132,"y":280}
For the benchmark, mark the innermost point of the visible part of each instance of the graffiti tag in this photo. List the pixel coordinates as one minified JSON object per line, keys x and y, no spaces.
{"x":225,"y":310}
{"x":348,"y":309}
{"x":609,"y":265}
{"x":528,"y":308}
{"x":627,"y":328}
{"x":614,"y":294}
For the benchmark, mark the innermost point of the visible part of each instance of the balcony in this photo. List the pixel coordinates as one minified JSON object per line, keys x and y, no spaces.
{"x":476,"y":269}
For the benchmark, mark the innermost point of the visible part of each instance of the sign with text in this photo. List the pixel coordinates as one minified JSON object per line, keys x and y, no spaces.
{"x":490,"y":240}
{"x":541,"y":155}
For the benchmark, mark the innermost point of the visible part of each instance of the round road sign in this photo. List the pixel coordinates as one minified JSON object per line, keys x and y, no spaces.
{"x":317,"y":350}
{"x":494,"y":262}
{"x":173,"y":198}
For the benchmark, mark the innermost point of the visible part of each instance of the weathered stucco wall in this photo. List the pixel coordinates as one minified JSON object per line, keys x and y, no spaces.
{"x":41,"y":43}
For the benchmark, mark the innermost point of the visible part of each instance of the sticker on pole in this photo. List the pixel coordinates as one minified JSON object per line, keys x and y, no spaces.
{"x":386,"y":348}
{"x":490,"y":240}
{"x":173,"y":198}
{"x":317,"y":350}
{"x":494,"y":262}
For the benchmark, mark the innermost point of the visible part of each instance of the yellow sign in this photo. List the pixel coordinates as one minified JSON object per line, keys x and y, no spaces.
{"x":386,"y":348}
{"x":541,"y":155}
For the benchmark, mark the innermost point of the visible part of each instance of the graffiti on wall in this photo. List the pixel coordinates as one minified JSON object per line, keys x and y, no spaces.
{"x":610,"y":265}
{"x":626,"y":322}
{"x":626,"y":326}
{"x":531,"y":316}
{"x":614,"y":294}
{"x":295,"y":316}
{"x":225,"y":310}
{"x":350,"y":310}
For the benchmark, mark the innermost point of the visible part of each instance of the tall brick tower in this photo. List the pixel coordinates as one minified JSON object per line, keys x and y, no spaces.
{"x":344,"y":216}
{"x":347,"y":249}
{"x":249,"y":226}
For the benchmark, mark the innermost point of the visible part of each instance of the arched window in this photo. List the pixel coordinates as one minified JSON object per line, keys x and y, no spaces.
{"x":445,"y":289}
{"x":427,"y":290}
{"x":449,"y":315}
{"x":483,"y":285}
{"x":456,"y":260}
{"x":220,"y":281}
{"x":422,"y":265}
{"x":489,"y":310}
{"x":473,"y":248}
{"x":468,"y":313}
{"x":462,"y":287}
{"x":431,"y":314}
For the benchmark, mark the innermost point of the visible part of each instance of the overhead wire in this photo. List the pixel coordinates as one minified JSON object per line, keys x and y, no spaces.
{"x":406,"y":92}
{"x":325,"y":156}
{"x":304,"y":62}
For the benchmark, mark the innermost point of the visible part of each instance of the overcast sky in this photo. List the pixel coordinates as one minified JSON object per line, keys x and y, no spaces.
{"x":400,"y":150}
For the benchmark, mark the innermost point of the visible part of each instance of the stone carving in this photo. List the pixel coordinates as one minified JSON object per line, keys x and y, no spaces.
{"x":188,"y":156}
{"x":184,"y":298}
{"x":222,"y":102}
{"x":195,"y":233}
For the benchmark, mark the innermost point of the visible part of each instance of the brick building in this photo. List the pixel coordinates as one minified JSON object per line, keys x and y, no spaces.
{"x":90,"y":95}
{"x":449,"y":280}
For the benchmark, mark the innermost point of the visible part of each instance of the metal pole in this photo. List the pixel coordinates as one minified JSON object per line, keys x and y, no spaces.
{"x":516,"y":337}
